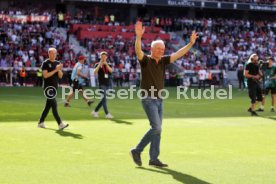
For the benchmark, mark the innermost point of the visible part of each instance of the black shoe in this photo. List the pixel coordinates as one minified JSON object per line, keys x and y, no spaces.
{"x":253,"y":113}
{"x":249,"y":110}
{"x":136,"y":156}
{"x":66,"y":104}
{"x":272,"y":110}
{"x":260,"y":110}
{"x":157,"y":163}
{"x":89,"y":102}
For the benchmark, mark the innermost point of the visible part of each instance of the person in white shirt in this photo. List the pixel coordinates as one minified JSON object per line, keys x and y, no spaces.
{"x":201,"y":77}
{"x":186,"y":81}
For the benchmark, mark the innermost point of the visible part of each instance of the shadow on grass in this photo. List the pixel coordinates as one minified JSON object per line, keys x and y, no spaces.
{"x":270,"y":117}
{"x":119,"y":121}
{"x":178,"y":176}
{"x":65,"y":133}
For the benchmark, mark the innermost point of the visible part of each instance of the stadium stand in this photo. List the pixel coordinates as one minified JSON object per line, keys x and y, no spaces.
{"x":27,"y":33}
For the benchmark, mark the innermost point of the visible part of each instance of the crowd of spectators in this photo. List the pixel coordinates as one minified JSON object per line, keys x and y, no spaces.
{"x":223,"y":43}
{"x":226,"y":42}
{"x":25,"y":43}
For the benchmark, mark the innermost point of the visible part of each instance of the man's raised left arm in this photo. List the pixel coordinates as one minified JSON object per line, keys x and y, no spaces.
{"x":181,"y":52}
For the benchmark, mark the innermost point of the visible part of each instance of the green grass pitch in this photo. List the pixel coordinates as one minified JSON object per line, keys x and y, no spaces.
{"x":203,"y":141}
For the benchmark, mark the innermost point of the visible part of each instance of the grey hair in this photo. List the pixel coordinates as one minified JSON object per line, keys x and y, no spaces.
{"x":52,"y":49}
{"x":156,"y":42}
{"x":251,"y":56}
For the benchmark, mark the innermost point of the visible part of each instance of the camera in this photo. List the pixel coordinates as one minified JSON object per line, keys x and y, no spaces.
{"x":263,"y":65}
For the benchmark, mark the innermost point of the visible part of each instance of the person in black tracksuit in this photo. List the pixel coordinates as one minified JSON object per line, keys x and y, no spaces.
{"x":51,"y":70}
{"x":253,"y":74}
{"x":240,"y":75}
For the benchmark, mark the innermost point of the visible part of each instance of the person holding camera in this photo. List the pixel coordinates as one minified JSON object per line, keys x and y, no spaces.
{"x":269,"y":83}
{"x":78,"y":79}
{"x":253,"y":74}
{"x":104,"y":71}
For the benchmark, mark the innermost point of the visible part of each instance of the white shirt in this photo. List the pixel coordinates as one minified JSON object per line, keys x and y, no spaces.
{"x":202,"y":74}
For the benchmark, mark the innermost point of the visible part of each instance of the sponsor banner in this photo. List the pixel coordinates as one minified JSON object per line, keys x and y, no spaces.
{"x":24,"y":18}
{"x":192,"y":3}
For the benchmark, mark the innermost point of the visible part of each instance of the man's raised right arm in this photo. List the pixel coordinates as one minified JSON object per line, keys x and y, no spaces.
{"x":139,"y":31}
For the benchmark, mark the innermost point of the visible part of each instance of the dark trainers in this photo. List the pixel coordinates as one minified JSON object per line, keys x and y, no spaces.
{"x":249,"y":110}
{"x":253,"y":113}
{"x":89,"y":102}
{"x":260,"y":110}
{"x":157,"y":163}
{"x":136,"y":156}
{"x":66,"y":104}
{"x":272,"y":110}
